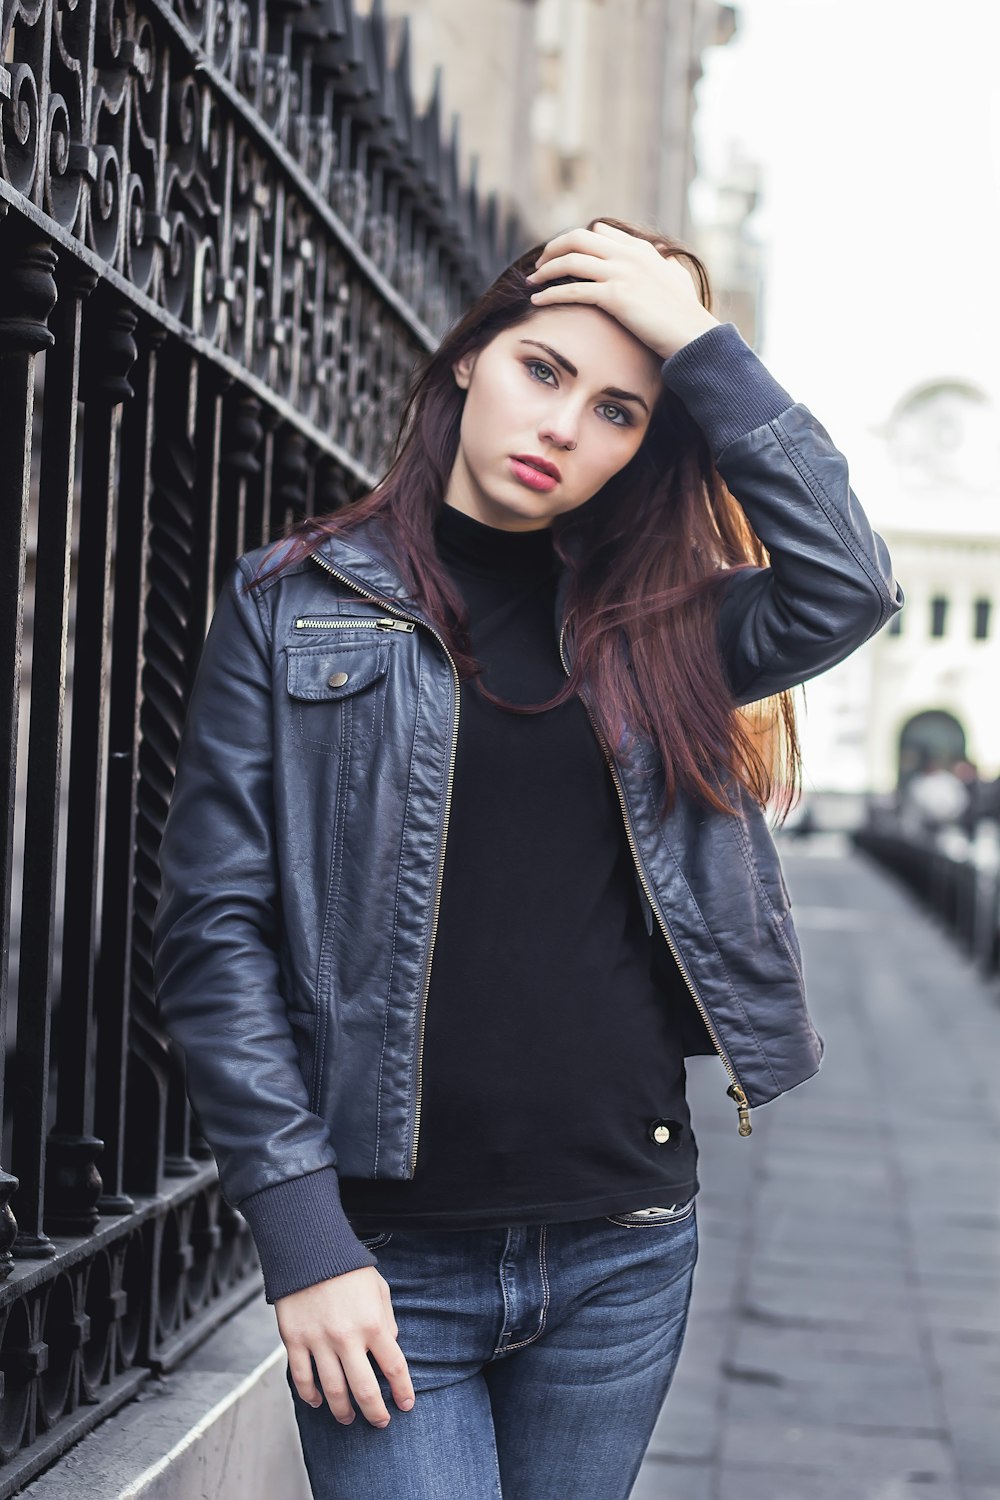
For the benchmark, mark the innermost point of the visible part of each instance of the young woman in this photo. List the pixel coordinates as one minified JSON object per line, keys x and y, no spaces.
{"x":497,"y":712}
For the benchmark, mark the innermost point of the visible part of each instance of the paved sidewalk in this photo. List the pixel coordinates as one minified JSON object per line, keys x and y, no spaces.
{"x":844,"y":1341}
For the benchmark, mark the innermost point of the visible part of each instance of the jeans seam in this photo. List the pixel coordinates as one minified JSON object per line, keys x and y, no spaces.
{"x":503,"y":1293}
{"x":543,"y":1268}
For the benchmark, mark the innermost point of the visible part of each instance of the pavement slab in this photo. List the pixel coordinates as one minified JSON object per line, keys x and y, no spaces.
{"x":844,"y":1337}
{"x":659,"y":1480}
{"x":803,"y":1484}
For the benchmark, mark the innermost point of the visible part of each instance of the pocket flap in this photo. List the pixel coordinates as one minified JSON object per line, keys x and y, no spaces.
{"x":321,"y":674}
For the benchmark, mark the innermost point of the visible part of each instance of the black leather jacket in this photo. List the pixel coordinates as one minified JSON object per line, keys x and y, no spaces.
{"x":303,"y":852}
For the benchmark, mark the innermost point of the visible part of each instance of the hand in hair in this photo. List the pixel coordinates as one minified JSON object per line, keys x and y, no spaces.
{"x":337,"y":1322}
{"x":651,"y":294}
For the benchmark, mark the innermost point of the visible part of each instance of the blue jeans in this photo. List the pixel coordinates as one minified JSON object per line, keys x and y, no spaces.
{"x":540,"y":1356}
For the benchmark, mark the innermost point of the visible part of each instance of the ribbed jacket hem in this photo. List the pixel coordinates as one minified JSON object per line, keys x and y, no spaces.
{"x":724,"y":385}
{"x":302,"y":1234}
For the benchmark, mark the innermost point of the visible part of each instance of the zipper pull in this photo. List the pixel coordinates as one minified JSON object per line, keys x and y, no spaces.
{"x":735,"y":1092}
{"x":390,"y":624}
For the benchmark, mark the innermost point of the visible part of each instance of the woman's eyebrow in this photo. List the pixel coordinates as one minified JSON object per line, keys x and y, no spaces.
{"x":609,"y":390}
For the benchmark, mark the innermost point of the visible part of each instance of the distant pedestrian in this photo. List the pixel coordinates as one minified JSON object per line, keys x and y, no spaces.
{"x":527,"y":645}
{"x":935,"y":798}
{"x":989,"y":799}
{"x":975,"y":803}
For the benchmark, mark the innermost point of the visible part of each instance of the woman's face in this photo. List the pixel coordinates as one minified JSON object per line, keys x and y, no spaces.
{"x":571,"y":386}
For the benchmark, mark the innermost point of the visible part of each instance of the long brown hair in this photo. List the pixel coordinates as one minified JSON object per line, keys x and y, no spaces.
{"x":647,"y":557}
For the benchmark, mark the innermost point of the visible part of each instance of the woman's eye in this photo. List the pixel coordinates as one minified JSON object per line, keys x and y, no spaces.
{"x":626,"y":416}
{"x":538,"y":364}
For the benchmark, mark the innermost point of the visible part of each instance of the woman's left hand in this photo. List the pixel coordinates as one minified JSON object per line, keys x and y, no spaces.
{"x":653,"y":297}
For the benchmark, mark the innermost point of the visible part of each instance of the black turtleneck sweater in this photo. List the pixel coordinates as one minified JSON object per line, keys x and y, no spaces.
{"x":551,"y":1048}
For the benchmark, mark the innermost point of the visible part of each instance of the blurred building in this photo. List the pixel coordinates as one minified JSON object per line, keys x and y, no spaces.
{"x":723,"y":202}
{"x":926,"y":686}
{"x":572,"y":108}
{"x":936,"y":670}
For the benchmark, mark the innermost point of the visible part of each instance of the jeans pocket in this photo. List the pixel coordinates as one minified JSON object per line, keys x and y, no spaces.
{"x":375,"y":1241}
{"x":653,"y":1218}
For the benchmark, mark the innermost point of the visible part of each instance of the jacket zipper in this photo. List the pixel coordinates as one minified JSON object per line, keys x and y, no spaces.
{"x":735,"y":1090}
{"x":412,"y":621}
{"x":307,"y":623}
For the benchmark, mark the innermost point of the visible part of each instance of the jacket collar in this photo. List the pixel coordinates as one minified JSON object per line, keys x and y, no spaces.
{"x":358,"y":556}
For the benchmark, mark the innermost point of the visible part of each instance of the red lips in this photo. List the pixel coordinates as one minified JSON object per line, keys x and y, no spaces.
{"x":542,"y":464}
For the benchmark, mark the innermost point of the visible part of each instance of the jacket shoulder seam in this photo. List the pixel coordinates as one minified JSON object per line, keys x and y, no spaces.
{"x":255,"y":592}
{"x":817,"y":489}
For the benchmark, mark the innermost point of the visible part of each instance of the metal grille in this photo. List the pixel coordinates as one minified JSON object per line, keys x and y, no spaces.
{"x":226,"y":238}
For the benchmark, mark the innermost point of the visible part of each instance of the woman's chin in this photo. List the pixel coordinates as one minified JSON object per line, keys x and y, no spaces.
{"x":518,"y":510}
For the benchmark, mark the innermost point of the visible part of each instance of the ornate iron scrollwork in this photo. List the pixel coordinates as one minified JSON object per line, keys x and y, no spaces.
{"x":253,"y":236}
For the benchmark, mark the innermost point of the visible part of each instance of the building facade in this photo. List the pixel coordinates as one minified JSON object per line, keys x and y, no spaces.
{"x":926,"y":688}
{"x":572,"y":108}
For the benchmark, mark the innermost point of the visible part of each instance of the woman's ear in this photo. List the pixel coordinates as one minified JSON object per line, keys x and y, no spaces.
{"x":462,"y":370}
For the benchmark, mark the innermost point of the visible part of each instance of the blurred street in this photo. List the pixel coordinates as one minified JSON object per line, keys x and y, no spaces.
{"x":844,"y":1341}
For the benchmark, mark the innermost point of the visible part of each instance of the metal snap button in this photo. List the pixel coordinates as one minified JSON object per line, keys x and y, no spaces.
{"x":337,"y":680}
{"x":659,"y":1131}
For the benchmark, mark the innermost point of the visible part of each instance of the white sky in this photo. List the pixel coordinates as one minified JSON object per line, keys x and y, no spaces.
{"x":877,"y":125}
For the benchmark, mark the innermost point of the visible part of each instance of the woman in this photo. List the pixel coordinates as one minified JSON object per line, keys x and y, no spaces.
{"x":533,"y":644}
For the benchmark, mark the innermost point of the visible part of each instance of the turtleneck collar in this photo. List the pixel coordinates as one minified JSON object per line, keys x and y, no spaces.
{"x":463,"y":540}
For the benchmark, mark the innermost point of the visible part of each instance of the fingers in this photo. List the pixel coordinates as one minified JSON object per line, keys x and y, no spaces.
{"x":390,"y":1359}
{"x":570,"y":265}
{"x":301,"y":1370}
{"x":585,"y":239}
{"x":338,"y":1384}
{"x":364,"y":1385}
{"x":349,"y":1372}
{"x":579,"y":291}
{"x":594,"y":241}
{"x":335,"y":1323}
{"x":354,"y":1364}
{"x":346,"y":1370}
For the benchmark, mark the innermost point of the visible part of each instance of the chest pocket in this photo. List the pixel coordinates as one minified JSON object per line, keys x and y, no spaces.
{"x":337,"y":691}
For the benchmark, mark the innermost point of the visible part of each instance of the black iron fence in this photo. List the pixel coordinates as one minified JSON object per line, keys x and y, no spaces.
{"x":965,"y":894}
{"x":225,"y":238}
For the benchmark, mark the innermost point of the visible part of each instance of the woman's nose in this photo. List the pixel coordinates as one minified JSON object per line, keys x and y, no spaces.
{"x":560,"y":432}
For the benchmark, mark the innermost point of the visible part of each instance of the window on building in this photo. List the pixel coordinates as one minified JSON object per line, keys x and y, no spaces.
{"x":981,"y":619}
{"x":939,"y":615}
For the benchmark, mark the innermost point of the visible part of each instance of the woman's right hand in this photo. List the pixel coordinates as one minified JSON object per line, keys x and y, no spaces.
{"x":337,"y":1322}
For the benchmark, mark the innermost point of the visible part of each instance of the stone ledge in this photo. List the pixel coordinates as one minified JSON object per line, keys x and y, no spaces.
{"x":221,"y":1424}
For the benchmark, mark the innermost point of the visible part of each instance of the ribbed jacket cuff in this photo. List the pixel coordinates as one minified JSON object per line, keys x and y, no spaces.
{"x":723,"y":384}
{"x":302,"y":1234}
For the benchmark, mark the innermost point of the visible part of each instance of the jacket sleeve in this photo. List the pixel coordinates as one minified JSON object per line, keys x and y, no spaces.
{"x":830,"y":584}
{"x":216,"y":963}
